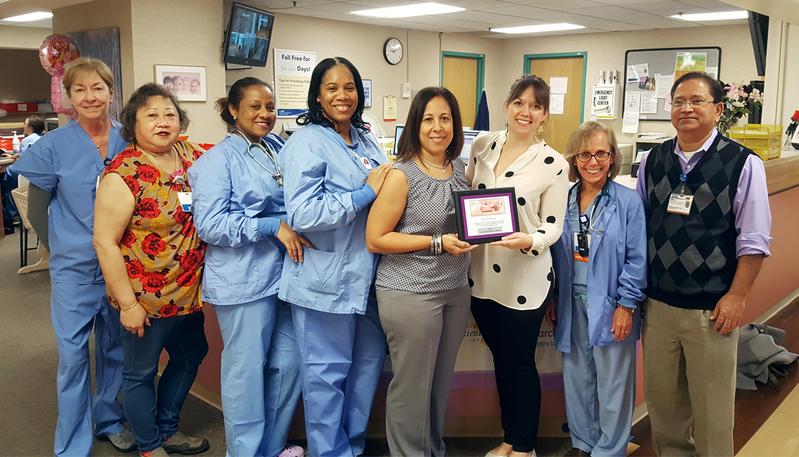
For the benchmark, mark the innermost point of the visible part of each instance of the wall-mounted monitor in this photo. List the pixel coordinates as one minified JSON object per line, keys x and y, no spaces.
{"x":249,"y":32}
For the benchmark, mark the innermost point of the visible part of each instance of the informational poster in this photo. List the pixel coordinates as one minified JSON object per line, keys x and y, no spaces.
{"x":558,"y":85}
{"x":649,"y":102}
{"x":292,"y":80}
{"x":632,"y":113}
{"x":603,"y":101}
{"x":663,"y":85}
{"x":636,"y":72}
{"x":556,"y":103}
{"x":687,"y":62}
{"x":389,"y":108}
{"x":367,"y":93}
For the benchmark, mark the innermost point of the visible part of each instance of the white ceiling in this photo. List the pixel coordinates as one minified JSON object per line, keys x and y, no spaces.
{"x":595,"y":15}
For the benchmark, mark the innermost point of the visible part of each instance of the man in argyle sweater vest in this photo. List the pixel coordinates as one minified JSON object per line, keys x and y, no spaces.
{"x":708,"y":226}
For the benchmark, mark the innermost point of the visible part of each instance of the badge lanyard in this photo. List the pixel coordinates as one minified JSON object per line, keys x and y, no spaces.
{"x":680,"y":202}
{"x":587,"y":224}
{"x":264,"y":147}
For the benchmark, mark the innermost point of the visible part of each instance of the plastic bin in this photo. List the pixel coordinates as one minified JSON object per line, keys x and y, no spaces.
{"x":764,"y":139}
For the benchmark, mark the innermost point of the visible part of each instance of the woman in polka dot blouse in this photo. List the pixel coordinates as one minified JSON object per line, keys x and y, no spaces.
{"x":512,"y":278}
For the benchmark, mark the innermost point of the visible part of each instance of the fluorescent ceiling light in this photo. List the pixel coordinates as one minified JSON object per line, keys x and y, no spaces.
{"x":719,"y":16}
{"x":416,"y":9}
{"x":537,"y":28}
{"x":30,"y":17}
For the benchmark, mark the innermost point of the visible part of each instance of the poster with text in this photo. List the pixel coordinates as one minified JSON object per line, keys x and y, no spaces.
{"x":292,"y":79}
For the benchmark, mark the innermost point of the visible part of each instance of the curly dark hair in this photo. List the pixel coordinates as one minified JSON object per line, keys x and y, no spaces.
{"x":315,"y":113}
{"x":127,"y":117}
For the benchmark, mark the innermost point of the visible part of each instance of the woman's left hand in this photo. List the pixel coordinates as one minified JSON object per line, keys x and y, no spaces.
{"x":622,"y":323}
{"x":293,"y":242}
{"x":516,"y":240}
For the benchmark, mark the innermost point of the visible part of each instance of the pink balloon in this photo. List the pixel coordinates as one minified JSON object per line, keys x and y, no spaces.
{"x":56,"y":96}
{"x":57,"y":51}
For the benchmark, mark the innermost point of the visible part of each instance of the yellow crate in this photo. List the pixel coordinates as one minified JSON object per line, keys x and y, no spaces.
{"x":764,"y":139}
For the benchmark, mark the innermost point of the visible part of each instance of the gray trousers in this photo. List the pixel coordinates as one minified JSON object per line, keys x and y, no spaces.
{"x":424,"y":333}
{"x":689,"y":380}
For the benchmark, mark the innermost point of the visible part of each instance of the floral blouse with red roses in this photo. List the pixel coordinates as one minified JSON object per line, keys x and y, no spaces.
{"x":162,"y":252}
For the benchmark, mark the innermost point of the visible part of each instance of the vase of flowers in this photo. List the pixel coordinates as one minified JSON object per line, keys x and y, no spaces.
{"x":739,"y":100}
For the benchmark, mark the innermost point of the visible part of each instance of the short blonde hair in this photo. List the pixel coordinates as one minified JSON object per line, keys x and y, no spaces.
{"x":578,"y":140}
{"x":87,"y":64}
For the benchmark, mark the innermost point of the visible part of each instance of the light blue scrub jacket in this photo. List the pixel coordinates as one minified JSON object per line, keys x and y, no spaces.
{"x":230,"y":196}
{"x":322,"y":174}
{"x":61,"y":162}
{"x":616,"y":267}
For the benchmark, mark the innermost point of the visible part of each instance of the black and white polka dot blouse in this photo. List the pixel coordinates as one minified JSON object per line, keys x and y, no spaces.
{"x":514,"y":278}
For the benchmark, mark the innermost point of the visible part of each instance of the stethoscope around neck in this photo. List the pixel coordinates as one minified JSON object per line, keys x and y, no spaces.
{"x":276,"y":172}
{"x":589,"y":223}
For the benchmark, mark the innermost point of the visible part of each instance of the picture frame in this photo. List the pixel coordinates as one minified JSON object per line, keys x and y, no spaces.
{"x":367,"y":93}
{"x":486,"y":215}
{"x":188,"y":83}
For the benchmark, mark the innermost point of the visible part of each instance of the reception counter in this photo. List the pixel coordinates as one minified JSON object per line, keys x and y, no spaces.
{"x":473,"y":408}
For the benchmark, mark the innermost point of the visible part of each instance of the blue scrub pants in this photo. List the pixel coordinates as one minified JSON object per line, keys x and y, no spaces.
{"x":599,"y":383}
{"x":260,"y":376}
{"x":342,"y":358}
{"x":76,"y":309}
{"x":155,"y":418}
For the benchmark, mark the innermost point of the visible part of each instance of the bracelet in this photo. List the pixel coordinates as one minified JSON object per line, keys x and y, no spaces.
{"x":436,"y":244}
{"x":129,"y":307}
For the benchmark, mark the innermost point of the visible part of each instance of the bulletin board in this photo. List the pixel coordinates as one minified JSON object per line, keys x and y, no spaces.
{"x":654,"y":84}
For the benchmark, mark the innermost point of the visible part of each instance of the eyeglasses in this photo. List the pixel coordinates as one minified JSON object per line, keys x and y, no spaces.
{"x":601,"y":156}
{"x":693,"y":103}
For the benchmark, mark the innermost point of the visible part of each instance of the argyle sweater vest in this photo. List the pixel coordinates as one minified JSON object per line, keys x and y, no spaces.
{"x":692,"y":258}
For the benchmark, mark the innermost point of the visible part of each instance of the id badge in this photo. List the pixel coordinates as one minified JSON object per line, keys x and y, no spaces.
{"x":577,"y":256}
{"x":185,"y":201}
{"x":680,"y":203}
{"x":366,"y":163}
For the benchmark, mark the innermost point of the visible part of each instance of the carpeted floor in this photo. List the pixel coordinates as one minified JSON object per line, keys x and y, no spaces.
{"x":28,"y":363}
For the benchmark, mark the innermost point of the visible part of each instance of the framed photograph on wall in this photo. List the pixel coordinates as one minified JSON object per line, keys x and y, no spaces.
{"x":367,"y":92}
{"x":187,"y":83}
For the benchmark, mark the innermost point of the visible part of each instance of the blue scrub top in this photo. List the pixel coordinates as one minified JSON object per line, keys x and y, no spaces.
{"x":581,"y":268}
{"x":66,"y":163}
{"x":324,"y":183}
{"x":231,"y":193}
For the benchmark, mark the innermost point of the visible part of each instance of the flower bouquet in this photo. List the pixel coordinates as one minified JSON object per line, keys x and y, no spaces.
{"x":739,"y":100}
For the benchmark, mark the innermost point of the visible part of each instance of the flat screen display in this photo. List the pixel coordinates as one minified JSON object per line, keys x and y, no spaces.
{"x":248,"y":35}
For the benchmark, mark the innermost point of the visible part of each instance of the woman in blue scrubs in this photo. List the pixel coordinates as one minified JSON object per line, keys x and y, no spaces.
{"x":238,"y":211}
{"x":333,"y":169}
{"x":601,"y":270}
{"x":67,"y":162}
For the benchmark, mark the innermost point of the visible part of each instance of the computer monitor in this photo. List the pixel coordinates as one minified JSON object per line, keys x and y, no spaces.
{"x":468,"y":139}
{"x":397,"y":133}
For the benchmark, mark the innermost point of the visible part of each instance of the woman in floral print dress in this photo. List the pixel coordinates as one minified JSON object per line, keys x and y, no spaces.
{"x":152,"y":260}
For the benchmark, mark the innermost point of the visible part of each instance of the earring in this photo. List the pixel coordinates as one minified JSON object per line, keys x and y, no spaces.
{"x":540,"y":130}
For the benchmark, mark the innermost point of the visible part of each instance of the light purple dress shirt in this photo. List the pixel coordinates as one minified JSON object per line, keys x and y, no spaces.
{"x":751,"y":209}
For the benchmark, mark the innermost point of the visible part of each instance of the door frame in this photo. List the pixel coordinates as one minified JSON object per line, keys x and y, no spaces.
{"x":528,"y":64}
{"x":480,"y":58}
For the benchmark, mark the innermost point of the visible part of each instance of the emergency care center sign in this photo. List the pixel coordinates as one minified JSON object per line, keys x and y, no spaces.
{"x":292,"y":80}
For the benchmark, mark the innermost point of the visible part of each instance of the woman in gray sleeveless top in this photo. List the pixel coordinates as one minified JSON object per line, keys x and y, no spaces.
{"x":422,"y":286}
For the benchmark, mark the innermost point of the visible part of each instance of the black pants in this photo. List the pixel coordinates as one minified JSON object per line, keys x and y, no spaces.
{"x":512,"y":336}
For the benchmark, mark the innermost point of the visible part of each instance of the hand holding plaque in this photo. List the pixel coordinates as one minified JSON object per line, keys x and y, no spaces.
{"x":486,"y":215}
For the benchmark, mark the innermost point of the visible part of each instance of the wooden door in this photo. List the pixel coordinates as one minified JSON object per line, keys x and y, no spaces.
{"x":460,"y":75}
{"x":559,"y":127}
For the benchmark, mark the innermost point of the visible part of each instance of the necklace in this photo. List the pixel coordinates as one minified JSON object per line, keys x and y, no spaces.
{"x":443,"y":169}
{"x":176,"y":176}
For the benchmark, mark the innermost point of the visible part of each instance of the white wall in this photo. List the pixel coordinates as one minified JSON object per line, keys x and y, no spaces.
{"x":182,"y":32}
{"x":13,"y":37}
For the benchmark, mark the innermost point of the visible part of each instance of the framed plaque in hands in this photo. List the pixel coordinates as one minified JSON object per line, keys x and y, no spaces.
{"x":486,"y":215}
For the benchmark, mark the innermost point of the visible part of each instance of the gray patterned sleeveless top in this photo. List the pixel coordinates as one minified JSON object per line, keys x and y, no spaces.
{"x":428,"y":211}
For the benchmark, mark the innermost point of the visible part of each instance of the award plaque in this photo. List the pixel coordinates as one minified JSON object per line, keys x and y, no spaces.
{"x":486,"y":215}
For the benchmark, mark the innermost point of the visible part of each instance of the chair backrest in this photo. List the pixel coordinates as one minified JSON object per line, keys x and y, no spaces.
{"x":20,"y":195}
